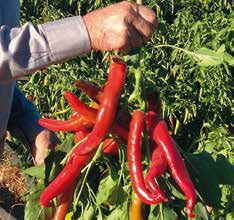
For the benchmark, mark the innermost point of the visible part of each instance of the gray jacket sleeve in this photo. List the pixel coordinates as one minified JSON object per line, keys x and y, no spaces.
{"x":26,"y":49}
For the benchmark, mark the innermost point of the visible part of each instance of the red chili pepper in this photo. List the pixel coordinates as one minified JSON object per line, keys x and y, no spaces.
{"x":81,"y":154}
{"x":75,"y":115}
{"x":65,"y":202}
{"x":134,"y":160}
{"x":61,"y":183}
{"x":159,"y":163}
{"x":91,"y":113}
{"x":95,"y":94}
{"x":157,"y":168}
{"x":78,"y":106}
{"x":108,"y":106}
{"x":66,"y":198}
{"x":175,"y":163}
{"x":110,"y":146}
{"x":89,"y":89}
{"x":76,"y":124}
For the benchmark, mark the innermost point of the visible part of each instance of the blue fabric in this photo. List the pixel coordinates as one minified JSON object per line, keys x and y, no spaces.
{"x":24,"y":117}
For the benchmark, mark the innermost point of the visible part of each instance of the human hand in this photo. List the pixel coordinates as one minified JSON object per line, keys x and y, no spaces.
{"x":44,"y":140}
{"x":120,"y":26}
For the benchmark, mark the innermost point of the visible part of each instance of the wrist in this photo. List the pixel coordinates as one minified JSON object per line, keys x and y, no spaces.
{"x":87,"y":22}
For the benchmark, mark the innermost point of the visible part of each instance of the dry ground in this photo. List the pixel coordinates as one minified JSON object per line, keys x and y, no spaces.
{"x":12,"y":185}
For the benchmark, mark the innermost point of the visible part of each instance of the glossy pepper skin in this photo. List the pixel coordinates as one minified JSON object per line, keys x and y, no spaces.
{"x":110,"y":147}
{"x":76,"y":124}
{"x":108,"y":106}
{"x":104,"y":120}
{"x":66,"y":197}
{"x":62,"y":182}
{"x":94,"y":92}
{"x":81,"y":108}
{"x":90,"y":114}
{"x":65,"y":202}
{"x":157,"y":167}
{"x":134,"y":160}
{"x":175,"y":163}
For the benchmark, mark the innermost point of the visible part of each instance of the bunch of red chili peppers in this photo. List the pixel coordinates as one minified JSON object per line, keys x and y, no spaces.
{"x":92,"y":126}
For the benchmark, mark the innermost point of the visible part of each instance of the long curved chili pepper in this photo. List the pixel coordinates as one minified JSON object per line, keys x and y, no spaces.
{"x":65,"y":202}
{"x":81,"y":154}
{"x":62,"y":182}
{"x":108,"y":106}
{"x":75,"y":124}
{"x":94,"y":92}
{"x":78,"y":106}
{"x":150,"y":119}
{"x":91,"y":113}
{"x":66,"y":197}
{"x":134,"y":160}
{"x":110,"y":147}
{"x":176,"y":164}
{"x":157,"y":168}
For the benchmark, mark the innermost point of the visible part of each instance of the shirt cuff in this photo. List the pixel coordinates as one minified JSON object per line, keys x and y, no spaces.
{"x":66,"y":38}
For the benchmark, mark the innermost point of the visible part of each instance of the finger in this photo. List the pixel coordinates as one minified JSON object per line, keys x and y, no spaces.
{"x":144,"y":21}
{"x":147,"y":14}
{"x":144,"y":27}
{"x":135,"y":39}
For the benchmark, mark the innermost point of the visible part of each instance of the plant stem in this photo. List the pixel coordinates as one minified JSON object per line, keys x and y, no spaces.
{"x":87,"y":168}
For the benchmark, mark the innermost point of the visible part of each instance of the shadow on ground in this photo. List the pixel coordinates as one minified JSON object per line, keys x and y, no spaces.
{"x":8,"y":203}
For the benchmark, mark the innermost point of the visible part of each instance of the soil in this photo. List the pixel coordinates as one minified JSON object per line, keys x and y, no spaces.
{"x":12,"y":189}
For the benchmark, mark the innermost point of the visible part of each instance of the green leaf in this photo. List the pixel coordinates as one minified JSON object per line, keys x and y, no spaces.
{"x":69,"y":216}
{"x":87,"y":213}
{"x":229,"y":59}
{"x":110,"y":191}
{"x":208,"y":57}
{"x":224,"y":170}
{"x":169,"y":213}
{"x":36,"y":171}
{"x":202,"y":171}
{"x":33,"y":209}
{"x":201,"y":212}
{"x":52,"y":165}
{"x":176,"y":191}
{"x":154,"y":212}
{"x":67,"y":144}
{"x":119,"y":213}
{"x":229,"y":216}
{"x":162,"y":212}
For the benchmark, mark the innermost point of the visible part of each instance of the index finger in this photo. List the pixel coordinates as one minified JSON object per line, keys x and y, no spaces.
{"x":147,"y":14}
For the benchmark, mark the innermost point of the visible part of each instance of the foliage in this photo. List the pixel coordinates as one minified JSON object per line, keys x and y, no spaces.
{"x":189,"y":61}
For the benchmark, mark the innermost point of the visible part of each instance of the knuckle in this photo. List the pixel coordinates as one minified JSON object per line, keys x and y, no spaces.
{"x":126,"y":6}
